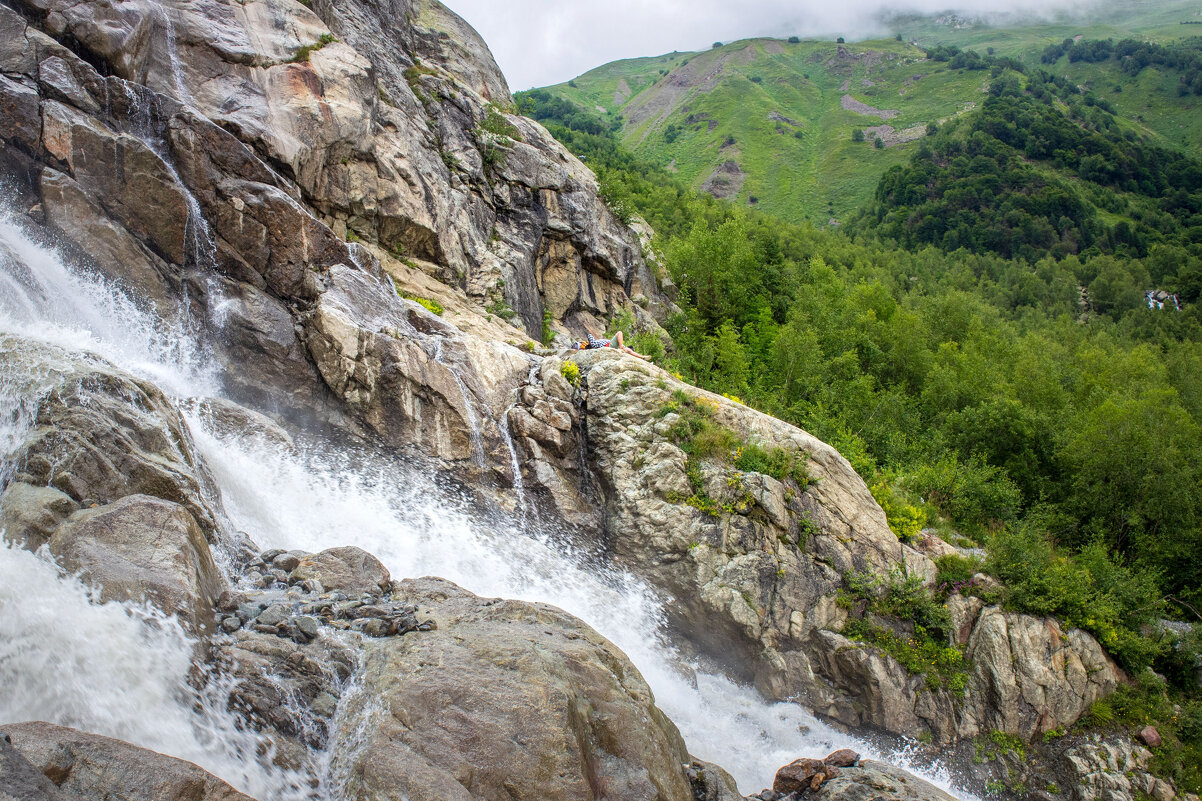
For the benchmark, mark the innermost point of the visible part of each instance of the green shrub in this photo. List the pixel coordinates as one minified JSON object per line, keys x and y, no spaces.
{"x":496,"y":124}
{"x":1090,"y":591}
{"x":570,"y":371}
{"x":413,"y":74}
{"x":302,"y":55}
{"x":920,"y":655}
{"x":904,"y":597}
{"x":955,"y":574}
{"x":431,"y":305}
{"x":777,"y":462}
{"x":905,"y":519}
{"x":499,"y":307}
{"x":973,"y":495}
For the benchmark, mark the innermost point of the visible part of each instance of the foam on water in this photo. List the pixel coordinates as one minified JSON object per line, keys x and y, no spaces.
{"x":312,"y":499}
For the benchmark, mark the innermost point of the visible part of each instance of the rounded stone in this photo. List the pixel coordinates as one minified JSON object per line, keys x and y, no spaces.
{"x":307,"y":626}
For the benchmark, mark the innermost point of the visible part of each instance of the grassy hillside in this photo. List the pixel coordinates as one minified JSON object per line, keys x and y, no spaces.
{"x":770,"y":123}
{"x":1152,"y":19}
{"x":783,"y":112}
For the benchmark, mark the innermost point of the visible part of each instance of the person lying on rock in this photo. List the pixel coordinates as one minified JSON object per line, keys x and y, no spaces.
{"x":616,"y":342}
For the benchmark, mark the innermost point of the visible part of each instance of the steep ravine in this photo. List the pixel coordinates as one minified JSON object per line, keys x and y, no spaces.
{"x":255,"y":186}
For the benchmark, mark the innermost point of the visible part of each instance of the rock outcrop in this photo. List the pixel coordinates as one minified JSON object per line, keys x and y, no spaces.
{"x":871,"y":779}
{"x":21,"y":781}
{"x":755,"y":564}
{"x":142,"y":548}
{"x":88,"y":767}
{"x":538,"y":704}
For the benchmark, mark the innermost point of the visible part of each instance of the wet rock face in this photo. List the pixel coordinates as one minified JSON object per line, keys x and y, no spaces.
{"x":538,"y":704}
{"x":88,"y":767}
{"x":143,"y":548}
{"x":98,"y":434}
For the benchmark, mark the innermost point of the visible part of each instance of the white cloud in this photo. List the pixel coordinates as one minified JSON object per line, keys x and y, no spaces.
{"x":541,"y":42}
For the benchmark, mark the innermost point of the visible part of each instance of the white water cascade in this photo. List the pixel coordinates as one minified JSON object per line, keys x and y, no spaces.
{"x":121,"y":670}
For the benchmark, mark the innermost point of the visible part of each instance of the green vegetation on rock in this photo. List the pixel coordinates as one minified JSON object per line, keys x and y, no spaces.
{"x":921,"y":650}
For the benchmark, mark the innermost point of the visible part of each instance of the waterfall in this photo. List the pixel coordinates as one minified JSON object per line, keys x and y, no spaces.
{"x":105,"y":679}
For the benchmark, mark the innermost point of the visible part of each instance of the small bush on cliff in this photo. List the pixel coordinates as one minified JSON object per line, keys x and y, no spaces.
{"x":496,"y":124}
{"x":699,"y":436}
{"x":903,"y":596}
{"x":905,"y":519}
{"x":431,"y":305}
{"x":570,"y":371}
{"x":302,"y":55}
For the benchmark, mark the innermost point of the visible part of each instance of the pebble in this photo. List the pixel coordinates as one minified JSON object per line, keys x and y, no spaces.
{"x":286,"y":562}
{"x":376,"y":628}
{"x":231,"y":624}
{"x":324,"y":705}
{"x":274,"y":615}
{"x":307,"y":626}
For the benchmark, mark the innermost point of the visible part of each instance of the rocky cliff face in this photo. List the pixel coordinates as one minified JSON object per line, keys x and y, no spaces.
{"x":281,"y":177}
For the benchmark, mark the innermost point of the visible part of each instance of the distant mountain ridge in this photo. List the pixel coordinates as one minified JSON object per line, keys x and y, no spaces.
{"x":773,"y":122}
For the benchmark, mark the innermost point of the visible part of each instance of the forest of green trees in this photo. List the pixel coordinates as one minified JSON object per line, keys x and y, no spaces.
{"x":982,"y":353}
{"x":1042,"y":170}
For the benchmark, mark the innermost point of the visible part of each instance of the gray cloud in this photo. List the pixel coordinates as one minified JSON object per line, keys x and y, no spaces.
{"x":541,"y":42}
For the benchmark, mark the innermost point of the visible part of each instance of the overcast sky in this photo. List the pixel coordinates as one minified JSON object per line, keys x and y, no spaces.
{"x":541,"y":42}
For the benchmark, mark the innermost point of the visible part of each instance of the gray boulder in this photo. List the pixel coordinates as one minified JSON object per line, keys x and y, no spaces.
{"x":872,"y":781}
{"x":90,"y":767}
{"x":347,"y":569}
{"x":143,"y":549}
{"x":507,"y":699}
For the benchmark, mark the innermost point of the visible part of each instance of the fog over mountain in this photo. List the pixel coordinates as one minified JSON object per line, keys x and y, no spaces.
{"x":541,"y":42}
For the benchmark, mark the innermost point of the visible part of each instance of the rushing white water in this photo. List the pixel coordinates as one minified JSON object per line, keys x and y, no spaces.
{"x":121,"y":670}
{"x":308,"y":499}
{"x":116,"y":669}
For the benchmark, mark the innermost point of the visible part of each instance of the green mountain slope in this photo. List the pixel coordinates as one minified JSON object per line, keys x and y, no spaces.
{"x":784,"y":113}
{"x":770,"y":123}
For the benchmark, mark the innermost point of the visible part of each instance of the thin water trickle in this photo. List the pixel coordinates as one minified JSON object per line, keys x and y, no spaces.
{"x":311,"y":497}
{"x":515,"y":465}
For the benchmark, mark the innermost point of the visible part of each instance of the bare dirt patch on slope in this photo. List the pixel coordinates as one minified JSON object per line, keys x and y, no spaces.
{"x":849,"y":103}
{"x":725,"y":182}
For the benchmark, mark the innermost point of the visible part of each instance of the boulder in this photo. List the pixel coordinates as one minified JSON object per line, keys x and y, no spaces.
{"x":1030,"y":676}
{"x":21,"y":781}
{"x":1150,"y":736}
{"x":348,"y":569}
{"x":142,"y":548}
{"x":507,"y":699}
{"x":711,"y":783}
{"x":876,"y":780}
{"x":98,"y":434}
{"x":90,"y":767}
{"x":30,"y":514}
